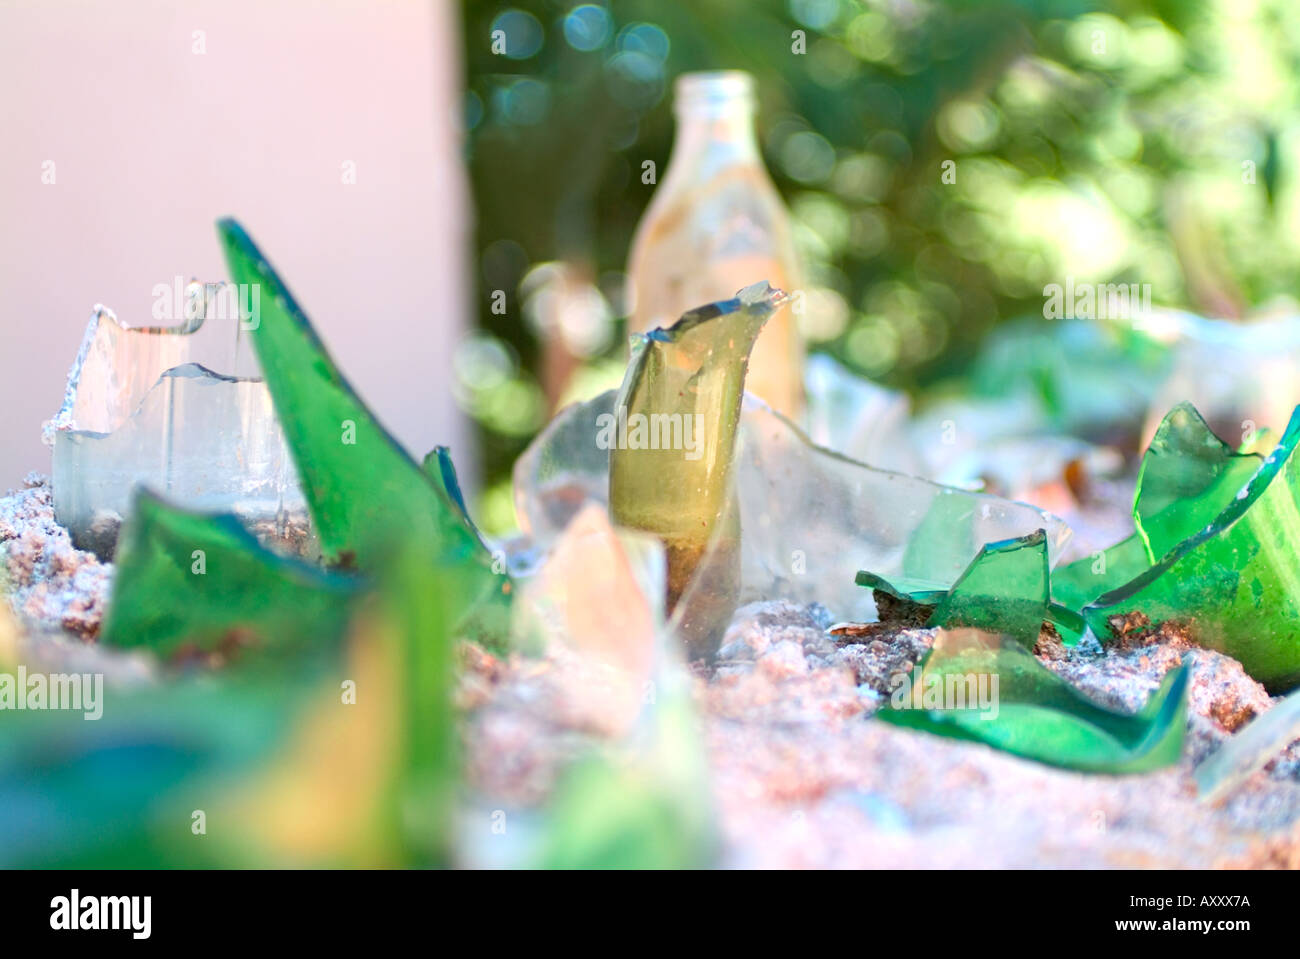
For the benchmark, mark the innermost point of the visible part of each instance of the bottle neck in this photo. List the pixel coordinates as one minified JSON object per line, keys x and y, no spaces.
{"x":715,"y":122}
{"x":716,"y":138}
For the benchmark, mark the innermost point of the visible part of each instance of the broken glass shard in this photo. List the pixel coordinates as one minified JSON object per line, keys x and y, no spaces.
{"x":650,"y":810}
{"x":202,"y":581}
{"x":671,"y":441}
{"x":1187,"y":478}
{"x":987,"y":688}
{"x":364,"y":491}
{"x":1004,"y":590}
{"x":1234,"y":582}
{"x":1249,"y":750}
{"x":178,"y":409}
{"x":810,"y":517}
{"x":859,"y":418}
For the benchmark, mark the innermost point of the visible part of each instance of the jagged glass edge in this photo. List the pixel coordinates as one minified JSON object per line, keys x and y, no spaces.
{"x":62,"y":420}
{"x":1252,"y":491}
{"x":1138,"y":516}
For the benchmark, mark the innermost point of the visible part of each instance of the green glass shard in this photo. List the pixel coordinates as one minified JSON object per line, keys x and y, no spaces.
{"x":1004,"y":590}
{"x":202,"y":580}
{"x":671,"y":440}
{"x":1187,"y":478}
{"x":922,"y":591}
{"x":986,"y":688}
{"x":363,"y":490}
{"x":1186,"y":471}
{"x":415,"y":597}
{"x":1236,"y":583}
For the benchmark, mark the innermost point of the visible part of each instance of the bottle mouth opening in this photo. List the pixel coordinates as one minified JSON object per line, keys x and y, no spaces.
{"x":713,"y":90}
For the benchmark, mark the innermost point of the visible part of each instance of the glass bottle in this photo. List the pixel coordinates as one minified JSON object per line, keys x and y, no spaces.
{"x":715,"y":225}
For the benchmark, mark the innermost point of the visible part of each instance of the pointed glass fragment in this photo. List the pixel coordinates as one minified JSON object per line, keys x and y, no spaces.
{"x":1234,"y":583}
{"x":364,"y":491}
{"x":1004,"y":590}
{"x":986,"y":688}
{"x":144,"y":406}
{"x":1187,"y":478}
{"x":1250,"y":750}
{"x":671,"y":440}
{"x":187,"y":579}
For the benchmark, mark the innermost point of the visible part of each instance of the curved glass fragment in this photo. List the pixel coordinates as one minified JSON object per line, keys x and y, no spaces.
{"x":144,"y":406}
{"x":987,"y":688}
{"x":1236,"y":582}
{"x":671,"y":438}
{"x":1187,"y":478}
{"x":1249,"y":750}
{"x":188,"y":579}
{"x":810,"y":517}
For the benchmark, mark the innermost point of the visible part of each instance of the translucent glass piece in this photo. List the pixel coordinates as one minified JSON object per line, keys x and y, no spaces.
{"x":1250,"y":750}
{"x":1004,"y":590}
{"x":364,"y":491}
{"x":601,"y":592}
{"x":810,"y":518}
{"x":988,"y":688}
{"x":671,"y":441}
{"x":1187,"y":478}
{"x":178,"y":409}
{"x":1238,"y":373}
{"x":859,"y":418}
{"x":187,"y":579}
{"x":1233,"y":583}
{"x":717,"y":224}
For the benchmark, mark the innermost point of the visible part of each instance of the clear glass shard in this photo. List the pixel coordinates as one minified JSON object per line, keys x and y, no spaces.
{"x":144,"y":407}
{"x":1249,"y":751}
{"x":601,"y":593}
{"x":858,"y":418}
{"x":810,"y":518}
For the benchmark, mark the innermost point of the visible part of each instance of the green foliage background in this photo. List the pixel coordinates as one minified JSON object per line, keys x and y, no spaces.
{"x":1149,"y":142}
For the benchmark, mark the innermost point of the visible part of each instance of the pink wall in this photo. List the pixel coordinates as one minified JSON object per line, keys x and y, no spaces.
{"x":151,"y":142}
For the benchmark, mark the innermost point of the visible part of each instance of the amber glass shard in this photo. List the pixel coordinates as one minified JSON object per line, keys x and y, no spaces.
{"x":187,"y":579}
{"x":1234,"y":583}
{"x":986,"y":688}
{"x":671,"y":439}
{"x":811,"y":517}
